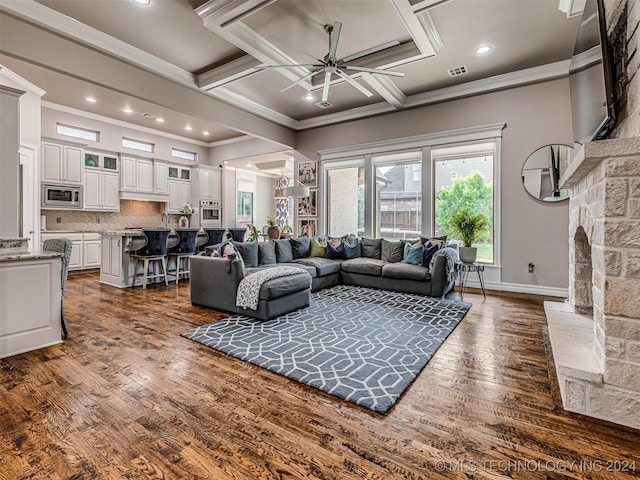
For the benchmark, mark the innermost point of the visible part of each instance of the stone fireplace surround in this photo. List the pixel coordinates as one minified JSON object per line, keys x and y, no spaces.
{"x":596,"y":336}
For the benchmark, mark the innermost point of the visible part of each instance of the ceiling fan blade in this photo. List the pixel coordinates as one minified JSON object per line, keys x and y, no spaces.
{"x":290,"y":45}
{"x":335,"y":36}
{"x":261,"y":67}
{"x":325,"y":87}
{"x":372,"y":70}
{"x":306,"y":77}
{"x":369,"y":51}
{"x":354,"y":83}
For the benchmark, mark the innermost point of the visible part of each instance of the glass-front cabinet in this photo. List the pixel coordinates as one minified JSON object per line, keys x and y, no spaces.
{"x":107,"y":161}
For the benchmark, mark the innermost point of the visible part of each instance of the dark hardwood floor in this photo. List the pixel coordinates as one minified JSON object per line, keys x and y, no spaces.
{"x":127,"y":397}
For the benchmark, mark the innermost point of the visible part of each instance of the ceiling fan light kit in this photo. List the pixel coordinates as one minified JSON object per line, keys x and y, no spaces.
{"x":330,"y":65}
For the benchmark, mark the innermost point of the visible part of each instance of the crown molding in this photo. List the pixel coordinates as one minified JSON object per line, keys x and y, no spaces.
{"x":122,"y":123}
{"x":68,"y":27}
{"x":27,"y":85}
{"x":228,"y":141}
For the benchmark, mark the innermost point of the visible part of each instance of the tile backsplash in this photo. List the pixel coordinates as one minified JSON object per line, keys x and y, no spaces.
{"x":133,"y":213}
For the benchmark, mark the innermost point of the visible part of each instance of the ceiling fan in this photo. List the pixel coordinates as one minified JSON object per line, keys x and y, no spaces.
{"x":330,"y":65}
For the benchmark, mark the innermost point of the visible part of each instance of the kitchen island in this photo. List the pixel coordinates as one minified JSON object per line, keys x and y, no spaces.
{"x":117,"y":268}
{"x":30,"y":296}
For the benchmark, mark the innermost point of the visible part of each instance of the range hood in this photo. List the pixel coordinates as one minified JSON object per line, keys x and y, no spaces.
{"x":145,"y":197}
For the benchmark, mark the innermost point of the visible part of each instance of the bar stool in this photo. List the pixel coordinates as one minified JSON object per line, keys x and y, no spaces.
{"x":216,"y":236}
{"x":237,"y":234}
{"x":155,"y":251}
{"x":184,"y":249}
{"x":64,"y":246}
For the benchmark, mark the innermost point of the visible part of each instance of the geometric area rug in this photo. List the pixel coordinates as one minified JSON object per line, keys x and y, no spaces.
{"x":365,"y":346}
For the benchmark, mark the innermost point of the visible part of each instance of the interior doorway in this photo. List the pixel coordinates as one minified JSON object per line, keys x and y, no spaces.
{"x":28,"y":198}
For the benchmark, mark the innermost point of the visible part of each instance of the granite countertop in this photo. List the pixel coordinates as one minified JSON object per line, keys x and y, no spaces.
{"x":19,"y":257}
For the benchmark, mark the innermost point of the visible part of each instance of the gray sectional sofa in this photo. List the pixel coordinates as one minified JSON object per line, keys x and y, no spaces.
{"x":379,"y":265}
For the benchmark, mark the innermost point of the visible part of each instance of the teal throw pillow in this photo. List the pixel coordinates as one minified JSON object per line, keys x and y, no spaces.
{"x":413,"y":253}
{"x":351,"y":248}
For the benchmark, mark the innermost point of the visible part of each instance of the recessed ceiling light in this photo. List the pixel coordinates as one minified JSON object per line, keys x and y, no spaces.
{"x":160,"y":120}
{"x":91,"y":100}
{"x":142,"y":2}
{"x":188,"y":127}
{"x":249,"y":164}
{"x":309,"y":97}
{"x":483,"y":50}
{"x":206,"y":132}
{"x":127,"y":110}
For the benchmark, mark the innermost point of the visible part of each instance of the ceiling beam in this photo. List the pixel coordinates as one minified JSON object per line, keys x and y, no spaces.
{"x":227,"y":72}
{"x":386,"y":88}
{"x":420,"y":28}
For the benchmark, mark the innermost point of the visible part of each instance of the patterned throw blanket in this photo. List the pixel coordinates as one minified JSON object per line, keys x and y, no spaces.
{"x":449,"y":268}
{"x":248,"y":294}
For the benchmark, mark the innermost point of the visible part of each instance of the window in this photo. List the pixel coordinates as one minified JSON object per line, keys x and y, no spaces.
{"x":176,"y":153}
{"x":244,"y":203}
{"x":398,"y":195}
{"x":137,"y":145}
{"x":345,"y":201}
{"x":77,"y":132}
{"x":464,"y":181}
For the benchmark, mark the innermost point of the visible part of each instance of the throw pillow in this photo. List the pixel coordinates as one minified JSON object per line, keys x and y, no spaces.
{"x":335,"y":252}
{"x":413,"y":253}
{"x":392,"y":251}
{"x":318,"y":248}
{"x":249,"y":253}
{"x":351,"y":248}
{"x":284,"y":252}
{"x":431,"y":246}
{"x":266,"y":253}
{"x":301,"y":247}
{"x":371,"y":247}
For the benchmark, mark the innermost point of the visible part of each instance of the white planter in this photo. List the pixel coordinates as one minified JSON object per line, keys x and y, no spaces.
{"x":468,"y":254}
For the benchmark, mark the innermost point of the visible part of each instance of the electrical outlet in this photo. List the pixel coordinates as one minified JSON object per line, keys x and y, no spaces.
{"x":58,"y":220}
{"x":531,"y":265}
{"x":97,"y":220}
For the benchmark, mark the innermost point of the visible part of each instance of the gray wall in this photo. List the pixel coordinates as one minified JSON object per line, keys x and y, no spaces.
{"x":535,"y":115}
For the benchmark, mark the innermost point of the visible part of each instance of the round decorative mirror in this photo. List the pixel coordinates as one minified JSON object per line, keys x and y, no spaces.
{"x":542,"y":171}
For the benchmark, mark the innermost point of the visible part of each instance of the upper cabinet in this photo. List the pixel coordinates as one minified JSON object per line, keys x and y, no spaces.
{"x":161,"y":177}
{"x":62,"y":163}
{"x":106,"y":161}
{"x":210,"y":186}
{"x":136,"y":175}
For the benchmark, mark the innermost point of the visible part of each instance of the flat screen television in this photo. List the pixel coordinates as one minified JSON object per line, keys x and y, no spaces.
{"x":591,"y":77}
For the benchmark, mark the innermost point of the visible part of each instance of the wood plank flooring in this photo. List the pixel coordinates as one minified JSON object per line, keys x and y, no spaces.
{"x":127,"y":398}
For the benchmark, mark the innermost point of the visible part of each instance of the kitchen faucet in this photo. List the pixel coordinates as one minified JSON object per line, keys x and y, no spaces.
{"x":165,"y":219}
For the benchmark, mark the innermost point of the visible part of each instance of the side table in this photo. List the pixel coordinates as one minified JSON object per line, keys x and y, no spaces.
{"x":463,"y":270}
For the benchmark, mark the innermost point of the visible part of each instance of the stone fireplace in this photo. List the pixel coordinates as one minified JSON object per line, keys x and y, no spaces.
{"x":596,"y":336}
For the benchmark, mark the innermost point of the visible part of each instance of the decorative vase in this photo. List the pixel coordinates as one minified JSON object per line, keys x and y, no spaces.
{"x":468,"y":254}
{"x":184,"y":221}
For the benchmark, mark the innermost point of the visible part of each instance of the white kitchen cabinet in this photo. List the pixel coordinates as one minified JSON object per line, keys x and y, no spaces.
{"x":91,"y":246}
{"x":101,"y":191}
{"x":210,"y":184}
{"x":62,"y":163}
{"x":179,"y":194}
{"x":161,"y":177}
{"x":85,"y":249}
{"x":137,"y":175}
{"x":111,"y":256}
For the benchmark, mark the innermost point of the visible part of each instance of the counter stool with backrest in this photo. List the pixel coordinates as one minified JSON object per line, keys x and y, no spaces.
{"x":185,"y":248}
{"x":216,"y":236}
{"x":238,"y":234}
{"x":64,"y":246}
{"x":151,"y":254}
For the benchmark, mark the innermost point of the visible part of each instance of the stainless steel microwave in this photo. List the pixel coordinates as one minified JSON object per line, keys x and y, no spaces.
{"x":61,"y":196}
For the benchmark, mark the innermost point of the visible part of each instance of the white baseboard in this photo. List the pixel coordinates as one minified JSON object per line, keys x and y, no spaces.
{"x":521,"y":288}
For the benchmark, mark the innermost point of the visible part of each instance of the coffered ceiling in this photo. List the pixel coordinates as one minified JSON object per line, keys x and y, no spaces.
{"x":215,"y":46}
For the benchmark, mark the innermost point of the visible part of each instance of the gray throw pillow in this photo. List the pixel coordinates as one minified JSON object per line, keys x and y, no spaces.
{"x":392,"y":251}
{"x":284,"y":252}
{"x":249,"y":253}
{"x":301,"y":247}
{"x":371,"y":247}
{"x":266,"y":253}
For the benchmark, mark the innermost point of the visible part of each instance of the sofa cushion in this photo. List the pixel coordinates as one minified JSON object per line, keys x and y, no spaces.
{"x":249,"y":253}
{"x":335,"y":252}
{"x":318,"y":248}
{"x":413,"y":253}
{"x":364,"y":266}
{"x":405,"y":271}
{"x":284,"y":252}
{"x":392,"y":251}
{"x":431,"y":246}
{"x":371,"y":247}
{"x":301,"y":247}
{"x":281,"y":286}
{"x":266,"y":253}
{"x":323,"y":266}
{"x":352,"y":247}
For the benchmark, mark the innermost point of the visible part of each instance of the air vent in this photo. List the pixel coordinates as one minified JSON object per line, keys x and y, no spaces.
{"x":147,"y":115}
{"x":454,"y":72}
{"x":323,"y":105}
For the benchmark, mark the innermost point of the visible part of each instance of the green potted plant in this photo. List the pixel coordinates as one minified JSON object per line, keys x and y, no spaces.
{"x":271,"y":221}
{"x":468,"y":227}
